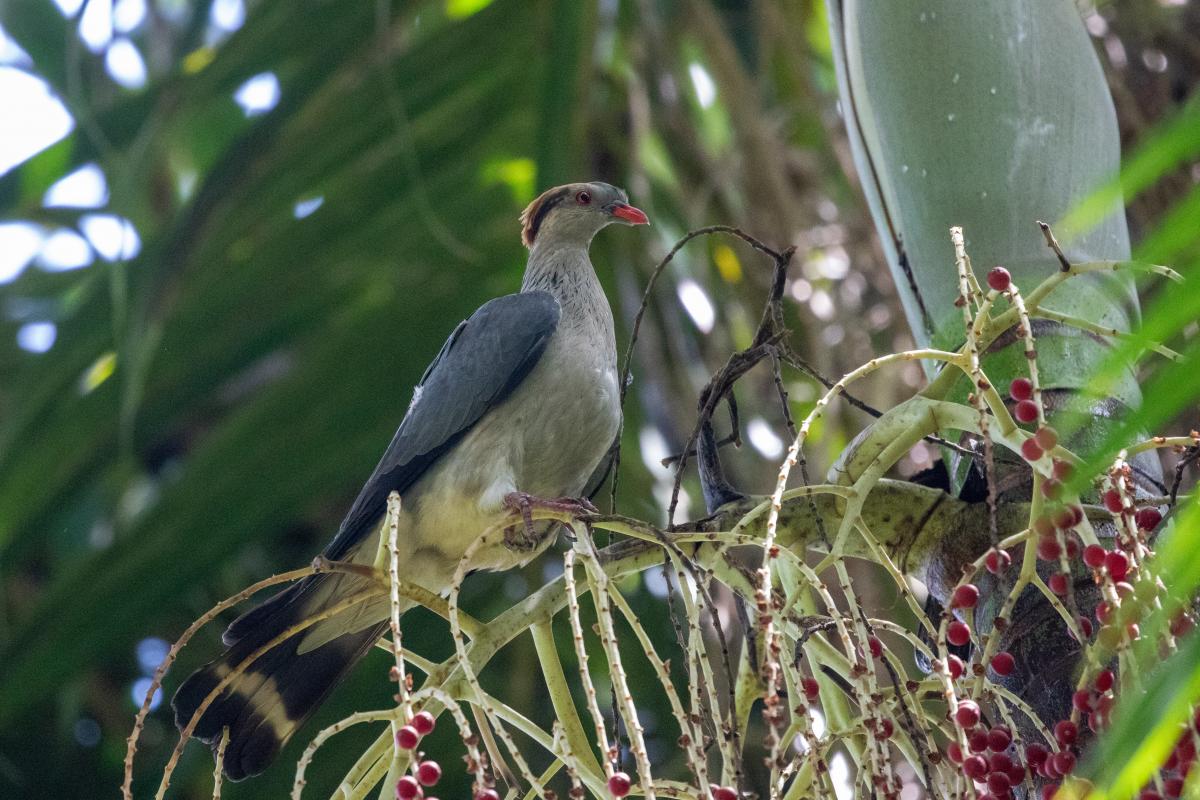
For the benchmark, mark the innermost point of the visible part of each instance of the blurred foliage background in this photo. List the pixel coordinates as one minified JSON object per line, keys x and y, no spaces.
{"x":218,"y":287}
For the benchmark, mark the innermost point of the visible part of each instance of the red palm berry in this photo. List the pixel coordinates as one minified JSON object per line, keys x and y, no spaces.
{"x":1112,"y":501}
{"x":1173,"y":787}
{"x":1049,"y":790}
{"x":1048,"y":548}
{"x":1148,"y":518}
{"x":957,"y":633}
{"x":997,"y":561}
{"x":1036,"y":755}
{"x":407,"y":737}
{"x":1093,"y":556}
{"x":998,"y":783}
{"x":977,"y":740}
{"x":1016,"y":774}
{"x":1118,"y":564}
{"x":1064,"y":519}
{"x":875,"y":646}
{"x":1066,"y":733}
{"x":1043,"y":526}
{"x":487,"y":794}
{"x":967,"y":715}
{"x":1085,"y":627}
{"x":999,"y":279}
{"x":812,"y":690}
{"x":1082,"y":700}
{"x":1026,"y":411}
{"x":975,"y":767}
{"x":1003,"y":663}
{"x":424,"y":722}
{"x":1051,"y":489}
{"x":1103,"y":612}
{"x":1021,"y":389}
{"x":1073,"y":540}
{"x":1064,"y":762}
{"x":1186,"y":750}
{"x":954,"y":752}
{"x":965,"y":596}
{"x":724,"y":793}
{"x":1105,"y":680}
{"x":1059,"y":584}
{"x":619,"y":784}
{"x":955,"y":666}
{"x":407,"y":788}
{"x":1182,"y":624}
{"x":1031,"y":450}
{"x":429,"y":773}
{"x":999,"y":762}
{"x":1047,"y":437}
{"x":1063,"y":470}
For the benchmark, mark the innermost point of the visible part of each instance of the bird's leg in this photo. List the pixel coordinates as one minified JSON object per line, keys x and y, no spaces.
{"x":524,"y":503}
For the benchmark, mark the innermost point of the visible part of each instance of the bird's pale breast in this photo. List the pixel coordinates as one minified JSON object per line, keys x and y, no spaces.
{"x":546,"y":439}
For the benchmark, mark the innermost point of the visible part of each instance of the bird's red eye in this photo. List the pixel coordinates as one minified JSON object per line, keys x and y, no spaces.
{"x":583,"y":198}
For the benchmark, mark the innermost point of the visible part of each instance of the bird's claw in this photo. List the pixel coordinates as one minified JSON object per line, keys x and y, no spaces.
{"x":524,"y":503}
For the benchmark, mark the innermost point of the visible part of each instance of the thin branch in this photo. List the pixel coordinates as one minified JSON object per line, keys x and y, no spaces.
{"x":637,"y":326}
{"x":1052,"y":243}
{"x":1191,"y":456}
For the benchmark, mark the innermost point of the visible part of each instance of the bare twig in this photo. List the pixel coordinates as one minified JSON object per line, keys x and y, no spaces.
{"x":1052,"y":243}
{"x":1191,"y":456}
{"x":641,"y":313}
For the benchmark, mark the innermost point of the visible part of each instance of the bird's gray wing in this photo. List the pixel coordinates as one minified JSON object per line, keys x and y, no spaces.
{"x":486,"y":357}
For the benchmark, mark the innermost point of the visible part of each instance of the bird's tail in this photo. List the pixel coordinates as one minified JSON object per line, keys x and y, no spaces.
{"x":265,"y":705}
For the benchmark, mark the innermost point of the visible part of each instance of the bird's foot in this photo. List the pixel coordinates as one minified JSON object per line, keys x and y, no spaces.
{"x":524,"y":504}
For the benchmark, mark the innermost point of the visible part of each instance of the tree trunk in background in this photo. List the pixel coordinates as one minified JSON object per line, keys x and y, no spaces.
{"x":992,"y":116}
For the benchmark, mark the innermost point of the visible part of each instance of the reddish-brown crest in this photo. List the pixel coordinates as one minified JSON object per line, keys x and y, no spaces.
{"x":535,"y":212}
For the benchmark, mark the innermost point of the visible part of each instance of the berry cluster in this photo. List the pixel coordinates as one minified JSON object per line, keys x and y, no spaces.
{"x":1178,"y":765}
{"x":426,"y":773}
{"x":990,"y":757}
{"x":987,"y":759}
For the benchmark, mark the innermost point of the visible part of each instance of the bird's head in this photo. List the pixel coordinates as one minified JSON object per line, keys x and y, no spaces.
{"x":572,"y":214}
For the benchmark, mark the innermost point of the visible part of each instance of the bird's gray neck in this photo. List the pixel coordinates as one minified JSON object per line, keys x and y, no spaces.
{"x":563,"y":270}
{"x":566,"y":272}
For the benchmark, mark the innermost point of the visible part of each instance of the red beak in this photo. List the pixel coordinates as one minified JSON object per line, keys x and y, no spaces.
{"x":634,"y":216}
